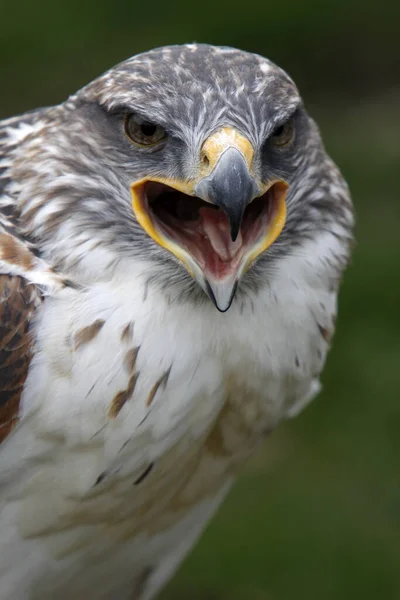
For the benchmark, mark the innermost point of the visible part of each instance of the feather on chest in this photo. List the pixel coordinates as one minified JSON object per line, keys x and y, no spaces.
{"x":136,"y":414}
{"x":116,"y":371}
{"x":111,"y":361}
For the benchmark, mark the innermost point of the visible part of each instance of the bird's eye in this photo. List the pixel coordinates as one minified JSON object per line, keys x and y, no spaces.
{"x":283,"y":135}
{"x":143,"y":132}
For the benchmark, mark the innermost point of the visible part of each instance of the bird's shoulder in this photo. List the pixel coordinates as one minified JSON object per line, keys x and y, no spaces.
{"x":18,"y":303}
{"x":24,"y":274}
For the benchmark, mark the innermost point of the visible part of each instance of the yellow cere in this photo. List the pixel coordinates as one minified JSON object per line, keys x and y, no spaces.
{"x":217,"y":143}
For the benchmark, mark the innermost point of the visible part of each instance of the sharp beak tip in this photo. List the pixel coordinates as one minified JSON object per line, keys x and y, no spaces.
{"x":223,"y":310}
{"x":222,"y":294}
{"x":234,"y":229}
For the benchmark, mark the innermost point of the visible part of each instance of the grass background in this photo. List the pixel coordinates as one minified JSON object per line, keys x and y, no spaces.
{"x":317,"y":513}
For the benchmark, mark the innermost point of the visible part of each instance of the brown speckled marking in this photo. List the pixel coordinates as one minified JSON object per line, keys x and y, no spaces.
{"x":13,"y":252}
{"x":127,"y":332}
{"x":117,"y":403}
{"x":122,"y":397}
{"x":130,"y":359}
{"x":326,"y":333}
{"x":100,"y":478}
{"x":186,"y":474}
{"x":86,"y":334}
{"x":17,"y":306}
{"x":162,"y":381}
{"x":143,"y":475}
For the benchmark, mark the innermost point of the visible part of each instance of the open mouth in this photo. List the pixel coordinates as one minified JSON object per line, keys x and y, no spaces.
{"x":202,"y":229}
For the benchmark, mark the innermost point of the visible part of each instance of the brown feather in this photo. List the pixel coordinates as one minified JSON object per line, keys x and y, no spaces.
{"x":15,"y":252}
{"x":18,"y":301}
{"x":326,"y":333}
{"x":160,"y":382}
{"x":87,"y":334}
{"x":122,"y":397}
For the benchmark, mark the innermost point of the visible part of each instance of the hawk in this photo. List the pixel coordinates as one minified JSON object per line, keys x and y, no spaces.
{"x":172,"y":240}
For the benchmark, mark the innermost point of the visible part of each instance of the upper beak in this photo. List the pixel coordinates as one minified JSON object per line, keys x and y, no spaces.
{"x":229,"y":186}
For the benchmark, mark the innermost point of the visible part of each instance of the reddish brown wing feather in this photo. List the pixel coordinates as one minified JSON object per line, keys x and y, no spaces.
{"x":18,"y":301}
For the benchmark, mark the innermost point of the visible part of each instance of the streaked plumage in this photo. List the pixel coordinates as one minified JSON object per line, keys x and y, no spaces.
{"x":142,"y":401}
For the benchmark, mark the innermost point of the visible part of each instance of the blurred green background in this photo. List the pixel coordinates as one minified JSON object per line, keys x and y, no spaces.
{"x":317,"y":513}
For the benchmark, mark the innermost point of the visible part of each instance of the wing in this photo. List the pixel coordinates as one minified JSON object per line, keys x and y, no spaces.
{"x":23,"y":276}
{"x":18,"y":303}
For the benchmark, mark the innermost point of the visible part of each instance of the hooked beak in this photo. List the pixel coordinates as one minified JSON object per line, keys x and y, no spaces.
{"x":219,"y":223}
{"x":230,"y":186}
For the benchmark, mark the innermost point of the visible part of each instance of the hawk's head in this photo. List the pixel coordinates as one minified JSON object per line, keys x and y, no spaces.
{"x":199,"y":162}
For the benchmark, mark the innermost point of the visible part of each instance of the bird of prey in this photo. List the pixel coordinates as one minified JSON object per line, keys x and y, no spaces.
{"x":172,"y":240}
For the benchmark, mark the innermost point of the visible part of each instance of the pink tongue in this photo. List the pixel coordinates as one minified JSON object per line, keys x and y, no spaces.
{"x":216,"y":228}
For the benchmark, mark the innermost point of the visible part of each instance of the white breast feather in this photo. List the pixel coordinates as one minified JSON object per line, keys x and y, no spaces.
{"x":69,"y":470}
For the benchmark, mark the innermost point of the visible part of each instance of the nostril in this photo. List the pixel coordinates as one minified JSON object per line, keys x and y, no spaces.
{"x":205,"y":160}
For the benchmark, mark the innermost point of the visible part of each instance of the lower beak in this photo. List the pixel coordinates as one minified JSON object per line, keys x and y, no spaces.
{"x":222,"y":292}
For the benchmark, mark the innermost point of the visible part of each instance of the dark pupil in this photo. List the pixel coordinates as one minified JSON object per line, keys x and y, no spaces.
{"x":279,"y":130}
{"x":148,"y":129}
